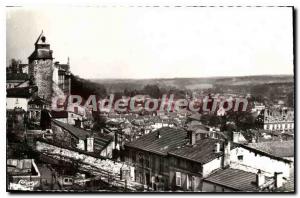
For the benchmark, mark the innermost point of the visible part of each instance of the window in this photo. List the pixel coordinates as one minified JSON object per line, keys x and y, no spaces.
{"x":240,"y":158}
{"x":178,"y":178}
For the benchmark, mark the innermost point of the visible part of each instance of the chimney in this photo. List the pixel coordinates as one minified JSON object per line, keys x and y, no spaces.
{"x":90,"y":144}
{"x":226,"y":151}
{"x":278,"y":179}
{"x":158,"y":135}
{"x":235,"y":136}
{"x":217,"y":147}
{"x":260,"y":178}
{"x":192,"y":137}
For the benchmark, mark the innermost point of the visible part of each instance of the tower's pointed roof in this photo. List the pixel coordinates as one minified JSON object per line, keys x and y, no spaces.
{"x":41,"y":39}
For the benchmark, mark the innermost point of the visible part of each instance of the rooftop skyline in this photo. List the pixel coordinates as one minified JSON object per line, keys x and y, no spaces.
{"x":157,"y":42}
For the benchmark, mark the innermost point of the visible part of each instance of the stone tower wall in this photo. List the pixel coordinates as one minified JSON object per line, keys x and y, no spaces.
{"x":43,"y":74}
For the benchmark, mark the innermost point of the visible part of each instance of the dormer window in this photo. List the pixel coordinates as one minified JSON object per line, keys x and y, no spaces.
{"x":43,"y":39}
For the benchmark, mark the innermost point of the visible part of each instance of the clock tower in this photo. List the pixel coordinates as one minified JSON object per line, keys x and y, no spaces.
{"x":41,"y":67}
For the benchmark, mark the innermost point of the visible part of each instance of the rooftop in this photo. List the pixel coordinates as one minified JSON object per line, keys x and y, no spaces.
{"x":263,"y":153}
{"x":203,"y":151}
{"x":234,"y":179}
{"x":170,"y":138}
{"x":276,"y":148}
{"x":99,"y":139}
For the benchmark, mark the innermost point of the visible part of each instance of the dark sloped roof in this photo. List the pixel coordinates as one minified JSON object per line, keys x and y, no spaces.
{"x":41,"y":54}
{"x":77,"y":132}
{"x":17,"y":76}
{"x":20,"y":92}
{"x":100,"y":140}
{"x":203,"y":151}
{"x":276,"y":148}
{"x":170,"y":139}
{"x":234,"y":179}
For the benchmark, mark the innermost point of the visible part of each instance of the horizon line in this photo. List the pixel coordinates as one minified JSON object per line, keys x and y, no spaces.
{"x":258,"y":75}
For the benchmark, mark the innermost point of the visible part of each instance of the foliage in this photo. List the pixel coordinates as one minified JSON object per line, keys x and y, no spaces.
{"x":99,"y":121}
{"x":85,"y":88}
{"x":153,"y":91}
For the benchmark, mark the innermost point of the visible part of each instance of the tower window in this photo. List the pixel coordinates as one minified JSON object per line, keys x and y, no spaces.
{"x":43,"y":39}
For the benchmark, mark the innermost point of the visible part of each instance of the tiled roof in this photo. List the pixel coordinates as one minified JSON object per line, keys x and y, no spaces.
{"x":203,"y":151}
{"x":276,"y":148}
{"x":100,"y":140}
{"x":234,"y":179}
{"x":170,"y":139}
{"x":77,"y":132}
{"x":20,"y":92}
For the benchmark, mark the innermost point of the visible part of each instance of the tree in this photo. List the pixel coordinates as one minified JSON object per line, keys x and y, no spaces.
{"x":99,"y":121}
{"x":211,"y":120}
{"x":152,"y":90}
{"x":14,"y":65}
{"x":85,"y":88}
{"x":243,"y":119}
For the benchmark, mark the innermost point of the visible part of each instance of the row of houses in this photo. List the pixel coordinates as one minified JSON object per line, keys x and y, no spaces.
{"x":175,"y":159}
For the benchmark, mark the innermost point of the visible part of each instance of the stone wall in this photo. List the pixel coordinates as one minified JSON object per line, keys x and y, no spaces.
{"x":42,"y":71}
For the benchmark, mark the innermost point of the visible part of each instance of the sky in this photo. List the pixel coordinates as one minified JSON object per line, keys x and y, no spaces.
{"x":157,"y":42}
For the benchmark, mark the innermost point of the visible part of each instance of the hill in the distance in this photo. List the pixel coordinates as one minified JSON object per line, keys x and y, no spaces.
{"x":115,"y":85}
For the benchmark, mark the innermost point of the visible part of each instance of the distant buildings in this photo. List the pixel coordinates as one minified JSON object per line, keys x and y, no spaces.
{"x":281,"y":119}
